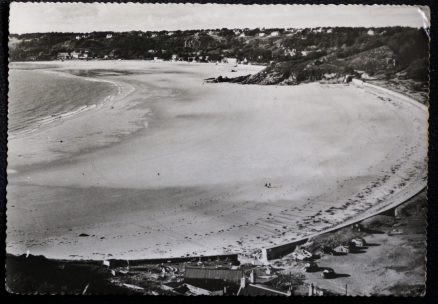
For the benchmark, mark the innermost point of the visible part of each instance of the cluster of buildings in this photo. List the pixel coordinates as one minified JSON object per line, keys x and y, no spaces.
{"x":272,"y":34}
{"x":197,"y":57}
{"x":85,"y":55}
{"x":201,"y":58}
{"x":230,"y":275}
{"x":247,"y":32}
{"x":233,"y":282}
{"x":85,"y":36}
{"x":236,"y":281}
{"x":80,"y":55}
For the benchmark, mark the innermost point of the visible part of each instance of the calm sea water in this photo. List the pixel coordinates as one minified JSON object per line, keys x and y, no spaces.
{"x":37,"y":97}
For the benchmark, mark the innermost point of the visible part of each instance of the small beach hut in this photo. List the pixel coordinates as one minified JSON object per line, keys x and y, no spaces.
{"x":341,"y":250}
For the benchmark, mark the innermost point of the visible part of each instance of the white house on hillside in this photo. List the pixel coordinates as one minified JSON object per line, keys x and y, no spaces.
{"x":289,"y":52}
{"x":63,"y":55}
{"x":83,"y":55}
{"x":274,"y":34}
{"x":74,"y":55}
{"x":109,"y":36}
{"x":230,"y":60}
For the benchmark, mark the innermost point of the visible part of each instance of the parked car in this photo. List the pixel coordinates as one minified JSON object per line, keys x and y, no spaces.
{"x":301,"y":255}
{"x":311,"y":267}
{"x":328,"y":273}
{"x":357,"y":243}
{"x":341,"y":250}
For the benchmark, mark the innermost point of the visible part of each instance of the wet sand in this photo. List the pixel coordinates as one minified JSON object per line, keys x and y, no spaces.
{"x":173,"y":166}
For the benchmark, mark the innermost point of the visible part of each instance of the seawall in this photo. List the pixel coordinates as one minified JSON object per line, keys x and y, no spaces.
{"x":279,"y":251}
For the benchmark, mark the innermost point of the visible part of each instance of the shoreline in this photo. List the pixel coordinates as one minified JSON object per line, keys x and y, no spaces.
{"x":125,"y":89}
{"x":230,"y":241}
{"x":48,"y":120}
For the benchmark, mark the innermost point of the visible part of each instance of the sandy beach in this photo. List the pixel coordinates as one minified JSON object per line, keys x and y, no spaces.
{"x":173,"y":166}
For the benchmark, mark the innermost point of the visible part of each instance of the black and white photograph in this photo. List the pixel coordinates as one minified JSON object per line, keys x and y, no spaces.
{"x":217,"y":149}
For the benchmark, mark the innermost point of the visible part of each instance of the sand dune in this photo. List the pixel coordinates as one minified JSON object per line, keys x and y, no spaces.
{"x":174,"y":166}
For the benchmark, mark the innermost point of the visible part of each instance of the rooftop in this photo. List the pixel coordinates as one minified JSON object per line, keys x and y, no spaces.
{"x":231,"y":275}
{"x":260,"y":290}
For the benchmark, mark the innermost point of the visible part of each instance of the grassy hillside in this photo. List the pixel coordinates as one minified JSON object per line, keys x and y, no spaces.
{"x":292,"y":55}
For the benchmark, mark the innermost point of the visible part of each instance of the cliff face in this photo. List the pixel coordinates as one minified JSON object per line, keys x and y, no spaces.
{"x":377,"y":62}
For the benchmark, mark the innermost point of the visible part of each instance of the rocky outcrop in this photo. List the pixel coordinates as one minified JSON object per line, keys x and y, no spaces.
{"x":379,"y":62}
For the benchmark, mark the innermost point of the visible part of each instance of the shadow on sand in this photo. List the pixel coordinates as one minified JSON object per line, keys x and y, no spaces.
{"x":371,"y":231}
{"x":356,"y":251}
{"x":371,"y":245}
{"x":338,"y":275}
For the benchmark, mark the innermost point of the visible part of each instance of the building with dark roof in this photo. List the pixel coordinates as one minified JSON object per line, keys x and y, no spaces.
{"x":204,"y":273}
